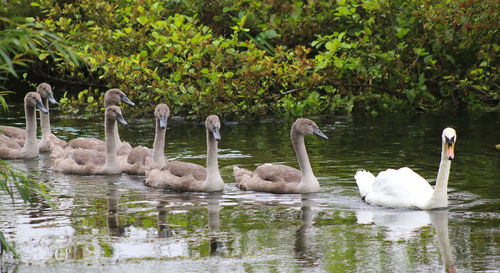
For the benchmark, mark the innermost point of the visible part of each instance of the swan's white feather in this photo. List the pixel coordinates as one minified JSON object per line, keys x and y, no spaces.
{"x":403,"y":188}
{"x":364,"y":180}
{"x":399,"y":188}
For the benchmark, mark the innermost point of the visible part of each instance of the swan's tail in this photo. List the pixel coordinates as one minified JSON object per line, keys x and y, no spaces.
{"x":56,"y":151}
{"x":150,"y":165}
{"x":239,"y":173}
{"x":364,"y":180}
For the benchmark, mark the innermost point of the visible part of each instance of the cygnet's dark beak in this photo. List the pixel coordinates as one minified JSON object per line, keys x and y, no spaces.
{"x":120,"y":118}
{"x":51,"y":99}
{"x":318,"y":132}
{"x":216,"y":133}
{"x":163,"y":121}
{"x":125,"y":99}
{"x":40,"y":107}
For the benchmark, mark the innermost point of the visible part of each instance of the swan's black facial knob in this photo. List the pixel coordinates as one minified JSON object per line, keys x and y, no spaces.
{"x":449,"y":137}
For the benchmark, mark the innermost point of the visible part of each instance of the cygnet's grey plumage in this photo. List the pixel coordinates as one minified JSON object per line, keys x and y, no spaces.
{"x":19,"y":135}
{"x":9,"y":148}
{"x":85,"y":161}
{"x":48,"y":138}
{"x":183,"y":176}
{"x":281,"y":178}
{"x":135,"y":162}
{"x":111,"y":97}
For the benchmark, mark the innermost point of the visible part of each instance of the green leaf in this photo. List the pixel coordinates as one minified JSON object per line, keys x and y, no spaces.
{"x":330,"y":89}
{"x":401,"y":31}
{"x":178,"y":21}
{"x":143,"y":20}
{"x":420,"y":51}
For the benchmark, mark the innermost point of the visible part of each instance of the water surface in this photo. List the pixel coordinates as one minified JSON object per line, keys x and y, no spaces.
{"x":115,"y":223}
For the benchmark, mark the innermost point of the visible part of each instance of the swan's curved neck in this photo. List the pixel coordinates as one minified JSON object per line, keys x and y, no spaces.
{"x":212,"y":163}
{"x":111,"y":147}
{"x":309,"y":181}
{"x":159,"y":144}
{"x":214,"y":180}
{"x":116,"y":135}
{"x":439,"y":197}
{"x":30,"y":147}
{"x":45,"y":119}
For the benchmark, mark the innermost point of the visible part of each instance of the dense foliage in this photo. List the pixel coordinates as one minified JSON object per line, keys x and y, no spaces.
{"x":19,"y":42}
{"x":249,"y":59}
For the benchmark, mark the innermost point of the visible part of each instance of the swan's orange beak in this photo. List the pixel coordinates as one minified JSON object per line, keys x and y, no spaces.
{"x":450,"y":150}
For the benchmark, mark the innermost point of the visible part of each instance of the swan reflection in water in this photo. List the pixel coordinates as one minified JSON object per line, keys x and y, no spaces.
{"x":112,"y":215}
{"x":164,"y":230}
{"x":214,"y":207}
{"x":404,"y":224}
{"x":302,"y":247}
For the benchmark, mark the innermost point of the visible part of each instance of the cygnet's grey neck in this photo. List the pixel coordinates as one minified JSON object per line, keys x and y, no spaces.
{"x":30,"y":147}
{"x":308,"y":182}
{"x":212,"y":163}
{"x":45,"y":119}
{"x":111,"y":147}
{"x":301,"y":152}
{"x":214,"y":181}
{"x":117,"y":140}
{"x":159,"y":144}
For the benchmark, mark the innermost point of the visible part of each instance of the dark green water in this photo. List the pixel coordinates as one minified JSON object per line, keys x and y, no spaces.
{"x":116,"y":224}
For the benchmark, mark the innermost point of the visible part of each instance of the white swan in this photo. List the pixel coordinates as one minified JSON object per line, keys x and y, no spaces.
{"x":282,"y":178}
{"x":184,"y":176}
{"x":85,"y":161}
{"x":9,"y":148}
{"x":403,"y":188}
{"x":135,"y":162}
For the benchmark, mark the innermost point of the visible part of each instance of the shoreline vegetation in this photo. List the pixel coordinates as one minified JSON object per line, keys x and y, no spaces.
{"x":266,"y":59}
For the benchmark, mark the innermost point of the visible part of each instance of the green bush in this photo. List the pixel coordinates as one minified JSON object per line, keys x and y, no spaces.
{"x":250,"y":59}
{"x":176,"y":60}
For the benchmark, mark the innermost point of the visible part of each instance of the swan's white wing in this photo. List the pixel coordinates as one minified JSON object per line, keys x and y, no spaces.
{"x":364,"y":180}
{"x":399,"y":188}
